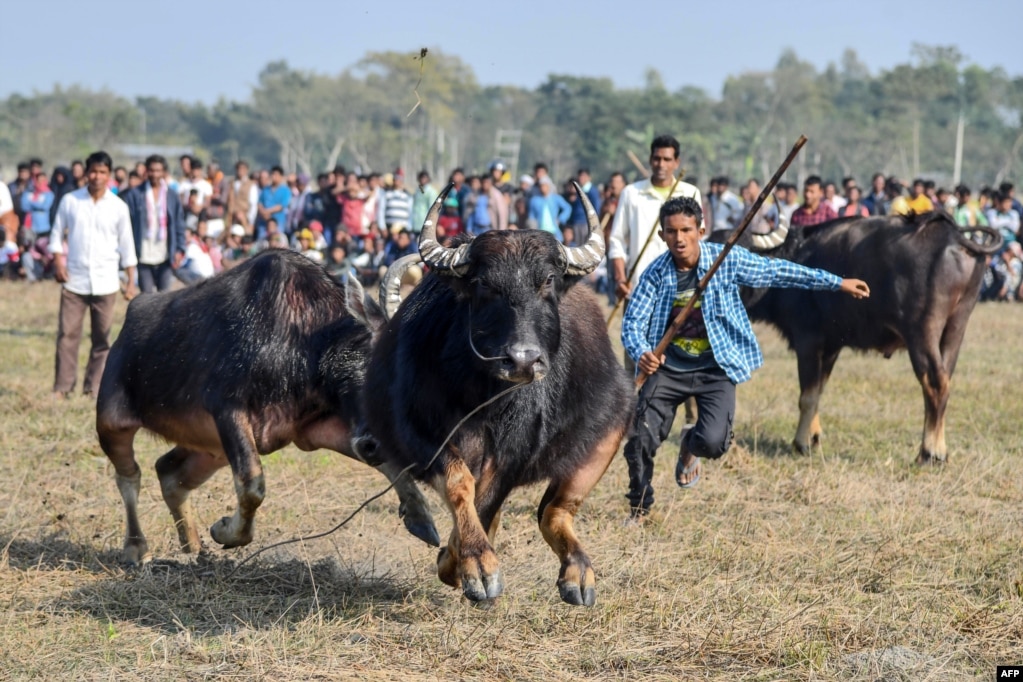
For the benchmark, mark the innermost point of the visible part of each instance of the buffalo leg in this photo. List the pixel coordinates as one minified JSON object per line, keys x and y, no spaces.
{"x":240,"y":447}
{"x":180,"y":472}
{"x":469,"y":559}
{"x":577,"y":584}
{"x":809,"y":362}
{"x":412,"y":507}
{"x":934,"y":380}
{"x":827,"y":365}
{"x":116,"y":437}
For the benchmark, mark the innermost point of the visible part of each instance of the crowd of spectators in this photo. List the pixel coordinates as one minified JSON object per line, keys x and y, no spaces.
{"x":357,"y":224}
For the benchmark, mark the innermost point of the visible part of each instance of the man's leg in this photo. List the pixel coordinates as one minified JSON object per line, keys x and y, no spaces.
{"x":711,"y":436}
{"x":69,"y":335}
{"x":164,"y":276}
{"x":101,"y":317}
{"x":147,"y":280}
{"x":655,"y":412}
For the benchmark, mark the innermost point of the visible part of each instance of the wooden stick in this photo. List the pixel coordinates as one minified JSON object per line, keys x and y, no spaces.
{"x":638,"y":164}
{"x":635,"y":264}
{"x":680,"y":319}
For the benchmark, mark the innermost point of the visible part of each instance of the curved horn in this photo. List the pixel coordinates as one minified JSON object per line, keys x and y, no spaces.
{"x":441,"y":258}
{"x":582,"y":260}
{"x":390,"y":283}
{"x":992,"y":243}
{"x":771,"y":240}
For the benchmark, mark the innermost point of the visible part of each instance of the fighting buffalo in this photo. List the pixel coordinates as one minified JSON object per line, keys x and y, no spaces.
{"x":924,"y":274}
{"x":501,"y":312}
{"x":231,"y":369}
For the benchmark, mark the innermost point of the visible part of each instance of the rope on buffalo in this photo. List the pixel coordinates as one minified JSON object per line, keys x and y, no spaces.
{"x":386,"y":490}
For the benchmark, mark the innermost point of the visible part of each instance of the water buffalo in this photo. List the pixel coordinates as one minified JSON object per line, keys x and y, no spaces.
{"x":924,"y":276}
{"x":498,"y":311}
{"x":233,"y":368}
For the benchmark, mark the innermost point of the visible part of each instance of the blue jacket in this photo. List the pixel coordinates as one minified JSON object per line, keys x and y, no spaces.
{"x":556,"y":206}
{"x":39,"y":209}
{"x":578,"y":212}
{"x":136,"y":200}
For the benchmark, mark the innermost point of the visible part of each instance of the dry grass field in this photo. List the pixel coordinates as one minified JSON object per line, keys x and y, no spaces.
{"x":846,"y":564}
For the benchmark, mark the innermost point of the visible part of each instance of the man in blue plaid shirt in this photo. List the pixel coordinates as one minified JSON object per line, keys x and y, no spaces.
{"x":713,"y":351}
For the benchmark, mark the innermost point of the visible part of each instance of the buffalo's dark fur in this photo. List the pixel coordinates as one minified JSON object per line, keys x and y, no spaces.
{"x":424,"y":376}
{"x":924,"y":276}
{"x":239,"y":365}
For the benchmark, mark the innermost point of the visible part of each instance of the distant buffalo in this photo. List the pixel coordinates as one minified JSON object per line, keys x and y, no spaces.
{"x":924,"y":275}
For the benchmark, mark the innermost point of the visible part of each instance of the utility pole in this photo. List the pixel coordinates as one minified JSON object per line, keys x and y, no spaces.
{"x":958,"y":167}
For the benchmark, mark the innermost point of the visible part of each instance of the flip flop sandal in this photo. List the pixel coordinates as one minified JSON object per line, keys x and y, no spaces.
{"x":681,"y":470}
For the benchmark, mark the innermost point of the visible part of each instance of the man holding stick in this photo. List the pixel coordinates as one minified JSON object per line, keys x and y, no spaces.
{"x":714,"y":349}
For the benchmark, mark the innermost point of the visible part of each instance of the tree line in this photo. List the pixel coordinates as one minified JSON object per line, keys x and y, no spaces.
{"x":427,"y":110}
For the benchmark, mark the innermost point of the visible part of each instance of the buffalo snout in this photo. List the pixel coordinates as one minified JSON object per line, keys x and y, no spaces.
{"x":524,"y":363}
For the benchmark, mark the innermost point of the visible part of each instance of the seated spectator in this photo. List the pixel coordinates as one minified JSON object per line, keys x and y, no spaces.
{"x":1007,"y":269}
{"x":233,"y":251}
{"x":197,"y":264}
{"x":306,"y":248}
{"x":338,"y":265}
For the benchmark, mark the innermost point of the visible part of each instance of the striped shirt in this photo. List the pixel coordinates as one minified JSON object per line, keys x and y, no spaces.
{"x":728,"y":327}
{"x":396,"y":207}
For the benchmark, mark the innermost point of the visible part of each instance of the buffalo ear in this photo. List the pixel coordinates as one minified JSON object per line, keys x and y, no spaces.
{"x":362,"y":307}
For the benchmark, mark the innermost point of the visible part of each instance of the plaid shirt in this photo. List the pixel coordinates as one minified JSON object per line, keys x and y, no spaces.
{"x":802,"y":216}
{"x":728,"y":327}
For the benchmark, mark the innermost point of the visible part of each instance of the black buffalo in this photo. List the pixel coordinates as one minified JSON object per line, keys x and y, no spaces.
{"x":499,"y":311}
{"x":233,"y":368}
{"x":924,"y":276}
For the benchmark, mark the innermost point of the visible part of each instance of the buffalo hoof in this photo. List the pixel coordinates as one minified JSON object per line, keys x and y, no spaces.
{"x":425,"y":531}
{"x":136,"y":552}
{"x":483,"y":588}
{"x":577,"y":584}
{"x":800,"y":448}
{"x":928,"y":459}
{"x":224,"y":535}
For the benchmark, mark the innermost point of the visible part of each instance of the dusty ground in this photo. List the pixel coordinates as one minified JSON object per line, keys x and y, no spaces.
{"x":847,"y":564}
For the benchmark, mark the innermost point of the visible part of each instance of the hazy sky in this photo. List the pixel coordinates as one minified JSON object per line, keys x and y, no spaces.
{"x":203,"y":50}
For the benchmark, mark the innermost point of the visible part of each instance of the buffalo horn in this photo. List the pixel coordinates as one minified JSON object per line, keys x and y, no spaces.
{"x":441,"y":258}
{"x":390,"y":284}
{"x":771,"y":240}
{"x":582,"y":260}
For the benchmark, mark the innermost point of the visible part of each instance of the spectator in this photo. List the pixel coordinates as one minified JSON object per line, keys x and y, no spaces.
{"x":338,"y":265}
{"x":1008,"y":189}
{"x":725,"y":207}
{"x":158,"y":225}
{"x":422,"y":200}
{"x":918,"y":201}
{"x":396,"y":204}
{"x":299,"y":202}
{"x":1008,"y":272}
{"x":853,"y":206}
{"x":609,"y":204}
{"x":832,"y":196}
{"x":483,"y":216}
{"x":274,"y":200}
{"x":353,"y":205}
{"x":305,"y":246}
{"x":450,"y":222}
{"x":766,"y":219}
{"x":234,"y":251}
{"x":61,"y":182}
{"x":99,"y":237}
{"x":18,"y":188}
{"x":458,"y":187}
{"x":78,"y":174}
{"x":580,"y":229}
{"x":876,"y":202}
{"x":518,"y":213}
{"x":786,"y":202}
{"x":549,"y":210}
{"x":197,"y":264}
{"x":814,"y":210}
{"x":638,"y":210}
{"x":897,"y":202}
{"x":967,"y":213}
{"x":242,"y":198}
{"x":36,"y":204}
{"x":1004,"y":218}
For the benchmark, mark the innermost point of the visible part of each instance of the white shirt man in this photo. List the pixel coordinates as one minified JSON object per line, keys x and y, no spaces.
{"x":638,"y":209}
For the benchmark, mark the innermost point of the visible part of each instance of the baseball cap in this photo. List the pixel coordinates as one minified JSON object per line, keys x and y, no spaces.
{"x":237,"y":230}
